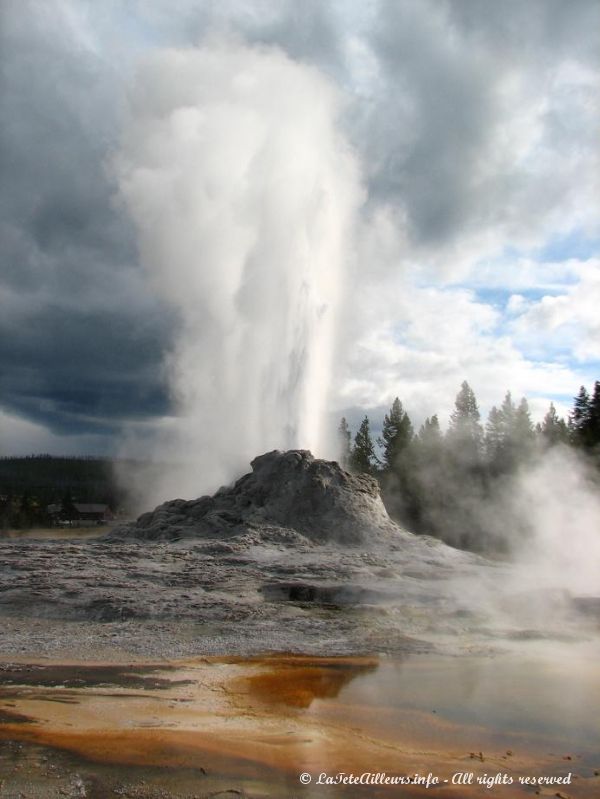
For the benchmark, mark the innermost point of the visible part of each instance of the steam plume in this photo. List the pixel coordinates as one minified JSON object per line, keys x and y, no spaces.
{"x":558,"y":497}
{"x":243,"y":194}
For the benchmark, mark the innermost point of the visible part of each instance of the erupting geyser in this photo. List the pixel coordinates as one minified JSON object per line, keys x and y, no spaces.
{"x":243,"y":194}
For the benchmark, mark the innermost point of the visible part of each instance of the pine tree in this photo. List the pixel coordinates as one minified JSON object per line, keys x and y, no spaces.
{"x":507,"y":414}
{"x":505,"y":455}
{"x":363,"y":458}
{"x":510,"y":435}
{"x":465,"y":433}
{"x":593,"y":421}
{"x":426,"y":456}
{"x":397,"y":433}
{"x":494,"y":435}
{"x":344,"y":443}
{"x":430,"y":433}
{"x":553,"y":429}
{"x":408,"y":482}
{"x":523,"y":433}
{"x":580,"y":417}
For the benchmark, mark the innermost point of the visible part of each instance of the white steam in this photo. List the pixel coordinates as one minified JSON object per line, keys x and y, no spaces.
{"x":244,"y":195}
{"x":558,"y":501}
{"x":549,"y":515}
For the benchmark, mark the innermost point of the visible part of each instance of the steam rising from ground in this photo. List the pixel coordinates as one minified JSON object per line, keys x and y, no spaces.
{"x":548,"y":514}
{"x":559,"y":500}
{"x":243,"y":194}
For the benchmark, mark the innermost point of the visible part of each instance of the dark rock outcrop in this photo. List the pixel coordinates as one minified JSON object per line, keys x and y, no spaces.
{"x":286,"y":496}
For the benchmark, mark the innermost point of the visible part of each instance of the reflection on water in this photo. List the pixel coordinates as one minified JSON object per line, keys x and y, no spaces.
{"x":254,"y":725}
{"x":554,"y":698}
{"x":297,"y":682}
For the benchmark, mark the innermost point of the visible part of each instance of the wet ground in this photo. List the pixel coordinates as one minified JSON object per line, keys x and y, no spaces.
{"x":250,"y":727}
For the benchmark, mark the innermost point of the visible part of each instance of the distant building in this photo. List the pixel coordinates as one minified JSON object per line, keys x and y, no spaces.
{"x":81,"y":514}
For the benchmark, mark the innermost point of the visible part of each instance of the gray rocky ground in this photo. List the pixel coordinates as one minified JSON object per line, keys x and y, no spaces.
{"x":298,"y":556}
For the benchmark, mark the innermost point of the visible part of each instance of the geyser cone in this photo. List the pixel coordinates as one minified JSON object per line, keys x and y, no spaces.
{"x":243,"y":194}
{"x":288,"y":495}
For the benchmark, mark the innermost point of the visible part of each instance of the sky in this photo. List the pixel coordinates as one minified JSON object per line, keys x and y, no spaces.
{"x":475,"y":250}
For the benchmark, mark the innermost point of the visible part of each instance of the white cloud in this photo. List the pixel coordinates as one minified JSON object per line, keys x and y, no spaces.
{"x":568,"y":322}
{"x":520,"y":274}
{"x":516,"y":304}
{"x":483,"y":139}
{"x":444,"y":337}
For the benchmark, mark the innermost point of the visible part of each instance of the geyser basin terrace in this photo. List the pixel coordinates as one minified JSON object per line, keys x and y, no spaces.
{"x":297,"y":556}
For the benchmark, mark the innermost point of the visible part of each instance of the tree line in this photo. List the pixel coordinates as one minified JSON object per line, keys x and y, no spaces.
{"x":29,"y":484}
{"x":441,"y":483}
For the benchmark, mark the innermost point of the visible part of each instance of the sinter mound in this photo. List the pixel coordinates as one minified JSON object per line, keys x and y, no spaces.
{"x":286,"y":492}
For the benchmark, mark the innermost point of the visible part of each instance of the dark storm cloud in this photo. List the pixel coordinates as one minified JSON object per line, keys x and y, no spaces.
{"x":81,"y":340}
{"x":437,"y":100}
{"x":437,"y":107}
{"x":550,"y":29}
{"x":79,"y":370}
{"x":307,"y":32}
